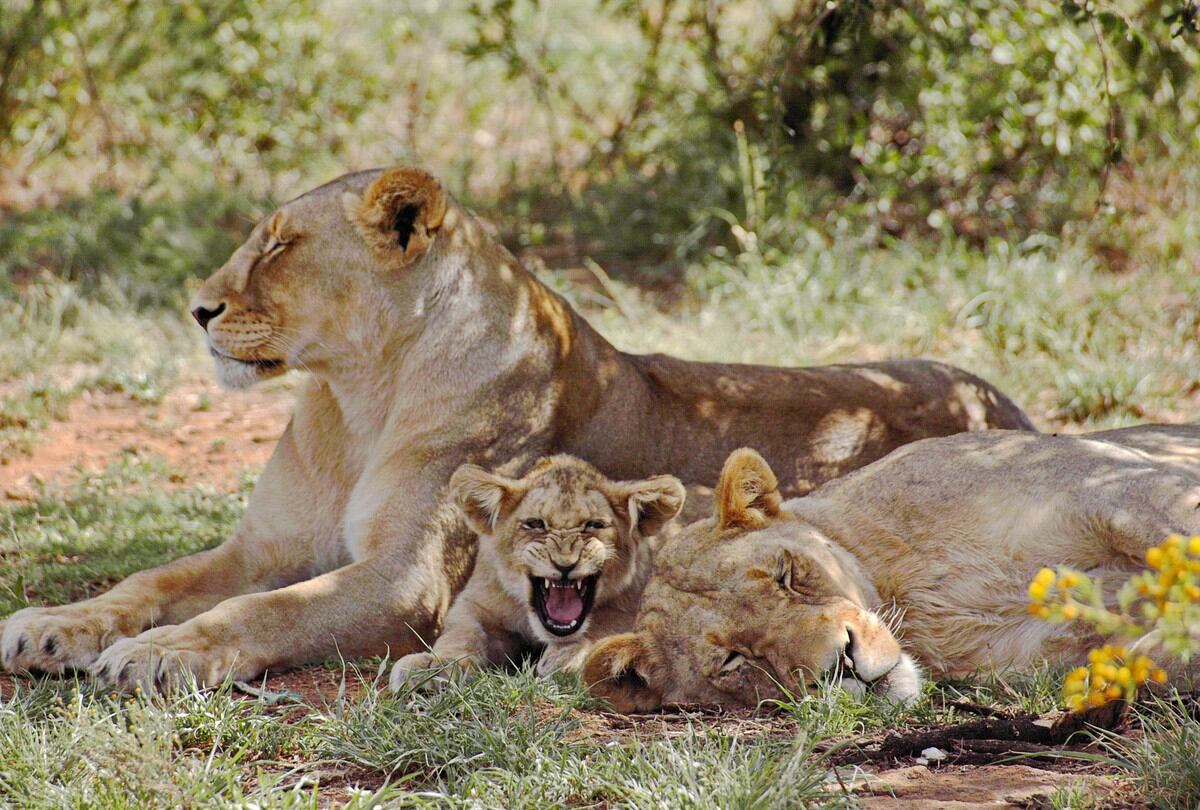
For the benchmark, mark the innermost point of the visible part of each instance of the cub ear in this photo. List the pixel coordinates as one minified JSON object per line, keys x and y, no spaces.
{"x":747,"y":493}
{"x":652,"y":503}
{"x":483,"y":497}
{"x":616,"y":669}
{"x":399,"y":213}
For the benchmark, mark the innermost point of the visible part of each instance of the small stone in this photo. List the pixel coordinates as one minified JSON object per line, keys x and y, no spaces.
{"x":933,"y":754}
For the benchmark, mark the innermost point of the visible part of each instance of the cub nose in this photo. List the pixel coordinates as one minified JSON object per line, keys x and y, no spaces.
{"x":204,"y":315}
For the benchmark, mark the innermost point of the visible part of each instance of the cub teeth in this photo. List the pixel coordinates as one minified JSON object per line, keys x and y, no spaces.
{"x":577,"y":584}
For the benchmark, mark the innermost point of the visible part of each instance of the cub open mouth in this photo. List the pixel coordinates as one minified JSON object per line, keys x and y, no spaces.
{"x":562,"y":605}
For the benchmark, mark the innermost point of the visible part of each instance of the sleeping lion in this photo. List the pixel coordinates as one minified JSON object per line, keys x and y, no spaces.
{"x":944,"y":535}
{"x":428,"y":346}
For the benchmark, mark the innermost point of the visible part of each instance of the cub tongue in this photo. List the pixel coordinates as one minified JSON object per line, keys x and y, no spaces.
{"x":563,"y":604}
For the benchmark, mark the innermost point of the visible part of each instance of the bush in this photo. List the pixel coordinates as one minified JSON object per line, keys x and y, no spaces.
{"x":1159,"y":607}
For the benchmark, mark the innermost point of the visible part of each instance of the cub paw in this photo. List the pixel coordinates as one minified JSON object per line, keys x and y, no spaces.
{"x":567,"y":658}
{"x":53,"y":639}
{"x":425,"y":670}
{"x":414,"y":671}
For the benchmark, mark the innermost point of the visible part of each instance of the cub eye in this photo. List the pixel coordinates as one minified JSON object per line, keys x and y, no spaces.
{"x":595,"y":525}
{"x":533,"y":524}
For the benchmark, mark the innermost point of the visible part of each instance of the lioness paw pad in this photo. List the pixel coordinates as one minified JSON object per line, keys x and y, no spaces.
{"x":50,"y":640}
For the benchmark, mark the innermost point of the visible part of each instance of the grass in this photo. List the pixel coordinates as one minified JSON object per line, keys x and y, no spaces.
{"x":67,"y":545}
{"x":1163,"y":763}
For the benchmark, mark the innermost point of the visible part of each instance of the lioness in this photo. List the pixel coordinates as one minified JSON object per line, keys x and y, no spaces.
{"x":563,"y":556}
{"x":945,"y":534}
{"x":429,"y":347}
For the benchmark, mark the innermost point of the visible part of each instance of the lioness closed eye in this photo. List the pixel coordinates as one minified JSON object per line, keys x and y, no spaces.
{"x":563,"y":556}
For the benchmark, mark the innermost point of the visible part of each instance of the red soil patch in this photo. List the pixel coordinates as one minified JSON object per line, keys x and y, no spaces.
{"x":206,"y":435}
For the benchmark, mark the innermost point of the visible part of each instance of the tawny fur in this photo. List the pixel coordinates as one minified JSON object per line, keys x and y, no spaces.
{"x":942,"y":537}
{"x":428,"y":347}
{"x":492,"y":621}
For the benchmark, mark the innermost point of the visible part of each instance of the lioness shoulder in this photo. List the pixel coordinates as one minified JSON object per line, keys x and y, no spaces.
{"x":563,"y":556}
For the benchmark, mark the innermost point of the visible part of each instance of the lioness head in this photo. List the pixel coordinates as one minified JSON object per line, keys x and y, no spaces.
{"x":324,"y":276}
{"x":747,"y":604}
{"x":565,"y":538}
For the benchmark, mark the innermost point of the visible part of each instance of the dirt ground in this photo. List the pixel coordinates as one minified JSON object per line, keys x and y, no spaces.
{"x":204,"y":434}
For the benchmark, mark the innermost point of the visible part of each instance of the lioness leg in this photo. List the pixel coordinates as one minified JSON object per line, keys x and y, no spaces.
{"x":267,"y":551}
{"x":366,"y":608}
{"x":54,"y":639}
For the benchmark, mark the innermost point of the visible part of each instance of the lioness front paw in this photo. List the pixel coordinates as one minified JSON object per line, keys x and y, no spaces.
{"x":164,"y":657}
{"x":54,"y":639}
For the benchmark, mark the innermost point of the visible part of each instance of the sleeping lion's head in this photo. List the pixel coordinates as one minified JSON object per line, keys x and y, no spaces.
{"x":747,"y":604}
{"x":324,"y":277}
{"x":564,"y":538}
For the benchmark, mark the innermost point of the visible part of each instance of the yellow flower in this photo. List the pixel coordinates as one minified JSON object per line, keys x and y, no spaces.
{"x":1070,"y":612}
{"x":1068,"y":580}
{"x":1154,"y":557}
{"x":1194,"y":546}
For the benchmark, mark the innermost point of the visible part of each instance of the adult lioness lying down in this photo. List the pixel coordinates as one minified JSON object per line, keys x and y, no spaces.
{"x":428,"y":347}
{"x":945,"y":534}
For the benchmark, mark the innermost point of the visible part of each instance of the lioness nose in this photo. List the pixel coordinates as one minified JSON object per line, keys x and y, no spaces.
{"x":203,"y":315}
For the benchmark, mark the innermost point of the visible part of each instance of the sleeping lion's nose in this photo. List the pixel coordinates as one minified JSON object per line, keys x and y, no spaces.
{"x":204,"y":315}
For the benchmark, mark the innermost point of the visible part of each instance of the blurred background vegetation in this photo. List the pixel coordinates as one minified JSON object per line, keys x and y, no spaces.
{"x":1009,"y":184}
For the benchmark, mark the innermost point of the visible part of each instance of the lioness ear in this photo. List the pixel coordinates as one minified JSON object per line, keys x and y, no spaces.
{"x":616,"y":670}
{"x":483,"y":497}
{"x":747,"y":492}
{"x":653,"y":502}
{"x":399,"y":213}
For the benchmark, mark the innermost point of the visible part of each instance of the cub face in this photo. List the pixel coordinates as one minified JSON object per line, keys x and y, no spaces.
{"x":564,"y":539}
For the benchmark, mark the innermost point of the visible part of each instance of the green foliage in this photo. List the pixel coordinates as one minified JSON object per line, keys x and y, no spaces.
{"x":146,"y":249}
{"x":1163,"y":761}
{"x":230,"y":87}
{"x":980,"y":117}
{"x":641,"y":124}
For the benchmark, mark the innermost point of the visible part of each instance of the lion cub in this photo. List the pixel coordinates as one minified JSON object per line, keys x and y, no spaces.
{"x":563,"y":556}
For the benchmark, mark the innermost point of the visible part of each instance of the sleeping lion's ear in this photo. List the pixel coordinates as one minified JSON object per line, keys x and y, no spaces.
{"x":651,"y":503}
{"x":399,"y":213}
{"x":616,"y":670}
{"x":747,"y":492}
{"x":483,"y":497}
